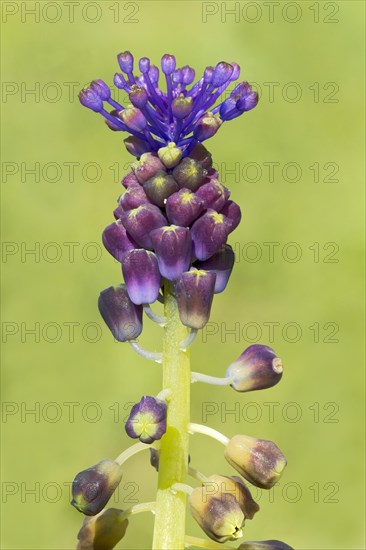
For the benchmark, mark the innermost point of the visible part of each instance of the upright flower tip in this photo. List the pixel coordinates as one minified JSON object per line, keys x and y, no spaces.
{"x":125,"y":61}
{"x":168,"y":64}
{"x":91,"y":99}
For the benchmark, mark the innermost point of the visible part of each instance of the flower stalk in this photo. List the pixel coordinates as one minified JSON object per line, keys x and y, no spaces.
{"x":169,"y":529}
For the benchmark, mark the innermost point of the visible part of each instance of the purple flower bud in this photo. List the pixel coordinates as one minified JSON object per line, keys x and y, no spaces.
{"x":141,"y":221}
{"x":257,"y":368}
{"x":103,"y":531}
{"x":222,"y":73}
{"x":119,"y":81}
{"x":123,"y":318}
{"x":235,"y":486}
{"x":141,"y":274}
{"x":247,"y":101}
{"x":217,"y":512}
{"x":182,"y":106}
{"x":90,"y":99}
{"x":188,"y":75}
{"x":147,"y":420}
{"x":227,"y":107}
{"x":101,"y":88}
{"x":144,"y":64}
{"x":178,"y":76}
{"x":168,"y":64}
{"x":233,"y":213}
{"x":203,"y":156}
{"x":213,"y":195}
{"x":207,"y":75}
{"x":189,"y":173}
{"x":183,"y":207}
{"x":257,"y":460}
{"x":147,"y":167}
{"x":170,"y":155}
{"x":160,"y":187}
{"x":130,"y":180}
{"x":236,"y":71}
{"x":173,"y":248}
{"x":117,"y":212}
{"x":264,"y":545}
{"x":138,"y":96}
{"x":195,"y":290}
{"x":222,"y":264}
{"x":133,"y":198}
{"x":154,"y":74}
{"x":206,"y":126}
{"x":133,"y":118}
{"x":92,"y":488}
{"x":209,"y":233}
{"x":125,"y":61}
{"x":136,"y":146}
{"x":117,"y":241}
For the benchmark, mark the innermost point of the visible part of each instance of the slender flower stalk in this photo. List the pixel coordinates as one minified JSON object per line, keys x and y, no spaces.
{"x":170,"y":236}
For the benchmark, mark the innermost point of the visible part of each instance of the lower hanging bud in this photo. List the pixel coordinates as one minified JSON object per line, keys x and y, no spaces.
{"x":195,"y":290}
{"x":117,"y":241}
{"x":235,"y":486}
{"x":147,"y":420}
{"x":142,"y":277}
{"x":123,"y":318}
{"x":217,"y":512}
{"x":259,"y":461}
{"x":209,"y":233}
{"x":257,"y":368}
{"x":92,"y":488}
{"x":221,"y":264}
{"x":265,"y":545}
{"x":173,"y":249}
{"x":103,"y":531}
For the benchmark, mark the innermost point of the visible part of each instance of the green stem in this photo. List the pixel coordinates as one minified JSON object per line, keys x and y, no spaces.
{"x":169,"y":529}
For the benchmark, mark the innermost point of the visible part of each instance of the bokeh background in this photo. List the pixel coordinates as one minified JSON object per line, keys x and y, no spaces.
{"x":305,"y":300}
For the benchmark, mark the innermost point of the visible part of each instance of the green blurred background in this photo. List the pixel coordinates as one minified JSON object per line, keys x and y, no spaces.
{"x":311,"y":56}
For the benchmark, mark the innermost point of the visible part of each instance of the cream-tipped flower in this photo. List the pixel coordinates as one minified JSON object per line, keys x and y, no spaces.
{"x":217,"y":512}
{"x":257,"y":368}
{"x":265,"y":545}
{"x":257,"y":460}
{"x":235,"y":486}
{"x":103,"y":531}
{"x":92,"y":488}
{"x":170,"y":155}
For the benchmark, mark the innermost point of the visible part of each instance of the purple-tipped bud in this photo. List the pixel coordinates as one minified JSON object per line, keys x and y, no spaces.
{"x":189,"y":173}
{"x":144,"y":64}
{"x":222,"y":264}
{"x":141,"y":221}
{"x":125,"y":61}
{"x":123,"y":318}
{"x":147,"y":420}
{"x":207,"y":75}
{"x":202,"y":156}
{"x":170,"y":155}
{"x":173,"y":248}
{"x":133,"y":118}
{"x":195,"y":290}
{"x":101,"y":88}
{"x":232,"y":212}
{"x":209,"y":233}
{"x":138,"y":96}
{"x":217,"y":512}
{"x":91,"y":99}
{"x":182,"y":106}
{"x":136,"y":146}
{"x":188,"y":74}
{"x":228,"y":107}
{"x":133,"y":198}
{"x":160,"y":187}
{"x":257,"y":368}
{"x":257,"y":460}
{"x":177,"y":76}
{"x":235,"y":486}
{"x":130,"y":180}
{"x":236,"y":71}
{"x":92,"y":488}
{"x":247,"y":102}
{"x":103,"y":531}
{"x":183,"y":207}
{"x":222,"y":73}
{"x":117,"y":241}
{"x":147,"y":167}
{"x":265,"y":545}
{"x":119,"y":81}
{"x":168,"y":64}
{"x":154,"y":74}
{"x":206,"y":126}
{"x":141,"y":274}
{"x":213,"y":195}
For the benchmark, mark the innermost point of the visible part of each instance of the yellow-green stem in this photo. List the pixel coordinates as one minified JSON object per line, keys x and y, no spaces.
{"x":169,"y":529}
